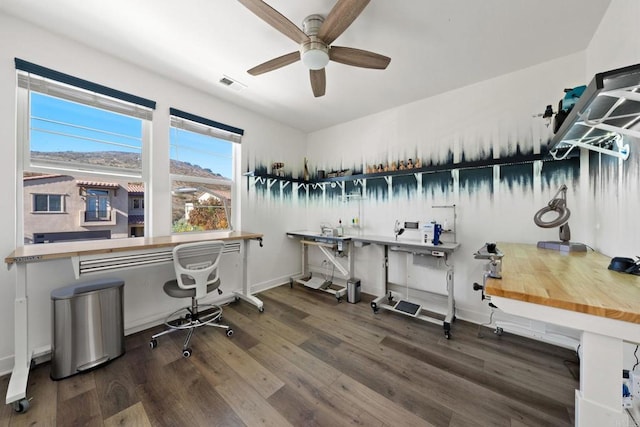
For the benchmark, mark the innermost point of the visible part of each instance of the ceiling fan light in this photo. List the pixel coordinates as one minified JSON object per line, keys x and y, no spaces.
{"x":315,"y":59}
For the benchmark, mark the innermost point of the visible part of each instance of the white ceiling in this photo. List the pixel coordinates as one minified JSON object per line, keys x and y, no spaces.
{"x":435,"y":46}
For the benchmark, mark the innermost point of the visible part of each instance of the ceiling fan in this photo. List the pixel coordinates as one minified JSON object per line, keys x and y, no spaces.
{"x":315,"y":40}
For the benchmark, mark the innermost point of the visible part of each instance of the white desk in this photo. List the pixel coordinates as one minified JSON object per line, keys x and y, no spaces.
{"x":99,"y":256}
{"x":394,"y":300}
{"x":577,"y":290}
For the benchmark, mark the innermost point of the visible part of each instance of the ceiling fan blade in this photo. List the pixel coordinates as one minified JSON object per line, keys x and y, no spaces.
{"x":318,"y":82}
{"x":275,"y":19}
{"x":358,"y":57}
{"x":344,"y":12}
{"x":275,"y":63}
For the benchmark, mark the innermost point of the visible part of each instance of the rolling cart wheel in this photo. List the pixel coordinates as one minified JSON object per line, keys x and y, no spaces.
{"x":261,"y":309}
{"x":236,"y":299}
{"x":339,"y":299}
{"x":374,"y":307}
{"x":447,"y":335}
{"x":229,"y":332}
{"x":21,"y":406}
{"x":186,"y":352}
{"x":291,"y":283}
{"x":498,"y":331}
{"x":153,"y":343}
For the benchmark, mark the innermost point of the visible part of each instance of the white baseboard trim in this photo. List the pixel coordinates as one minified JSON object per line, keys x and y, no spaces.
{"x":551,"y":334}
{"x":6,"y":365}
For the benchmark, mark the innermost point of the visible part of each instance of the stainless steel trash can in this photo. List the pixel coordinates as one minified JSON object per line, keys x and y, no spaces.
{"x":353,"y":290}
{"x":87,"y":326}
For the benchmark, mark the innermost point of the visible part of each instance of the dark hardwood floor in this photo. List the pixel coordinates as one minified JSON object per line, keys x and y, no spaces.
{"x":311,"y":361}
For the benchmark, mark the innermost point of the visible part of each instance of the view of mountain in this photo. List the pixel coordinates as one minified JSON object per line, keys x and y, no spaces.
{"x":122,"y":160}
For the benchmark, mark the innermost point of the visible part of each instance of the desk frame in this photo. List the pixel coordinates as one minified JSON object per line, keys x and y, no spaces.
{"x":324,"y":243}
{"x":598,"y":402}
{"x":414,"y":249}
{"x":77,"y":251}
{"x":576,"y":290}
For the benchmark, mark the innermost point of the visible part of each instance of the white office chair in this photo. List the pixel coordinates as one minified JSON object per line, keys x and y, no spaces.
{"x":196,"y":266}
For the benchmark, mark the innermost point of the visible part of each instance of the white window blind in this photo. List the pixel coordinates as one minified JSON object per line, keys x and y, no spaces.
{"x":201,"y":125}
{"x":70,"y":124}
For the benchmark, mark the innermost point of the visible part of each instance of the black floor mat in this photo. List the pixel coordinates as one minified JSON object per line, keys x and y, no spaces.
{"x":407,"y":307}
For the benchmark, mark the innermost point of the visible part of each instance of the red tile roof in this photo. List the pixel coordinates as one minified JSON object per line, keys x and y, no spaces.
{"x":98,"y":184}
{"x":136,"y":188}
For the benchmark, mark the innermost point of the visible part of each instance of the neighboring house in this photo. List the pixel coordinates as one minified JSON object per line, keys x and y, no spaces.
{"x":222,"y":196}
{"x":63,"y":207}
{"x":136,"y":210}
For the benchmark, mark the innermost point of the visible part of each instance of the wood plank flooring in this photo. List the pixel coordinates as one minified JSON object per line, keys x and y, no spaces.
{"x":309,"y":360}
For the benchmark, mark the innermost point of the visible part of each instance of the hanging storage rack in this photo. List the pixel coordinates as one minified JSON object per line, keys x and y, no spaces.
{"x":608,"y":109}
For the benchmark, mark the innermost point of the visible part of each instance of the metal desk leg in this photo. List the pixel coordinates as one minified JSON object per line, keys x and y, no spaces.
{"x":451,"y":305}
{"x":246,"y":292}
{"x":17,"y":390}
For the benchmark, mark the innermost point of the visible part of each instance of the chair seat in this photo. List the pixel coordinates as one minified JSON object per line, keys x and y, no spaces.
{"x":172,"y":289}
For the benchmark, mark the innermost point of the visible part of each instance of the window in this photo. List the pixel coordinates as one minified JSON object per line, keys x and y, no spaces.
{"x":98,"y":205}
{"x":136,"y":203}
{"x":202,"y":154}
{"x":48,"y":203}
{"x":83,"y":140}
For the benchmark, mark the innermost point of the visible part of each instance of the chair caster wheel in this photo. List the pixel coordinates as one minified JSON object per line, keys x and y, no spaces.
{"x":229,"y":332}
{"x":21,"y":405}
{"x":153,"y":343}
{"x":186,"y":352}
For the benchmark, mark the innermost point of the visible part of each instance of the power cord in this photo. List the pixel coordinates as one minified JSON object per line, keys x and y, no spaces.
{"x":325,"y":268}
{"x":490,"y":322}
{"x":631,"y":417}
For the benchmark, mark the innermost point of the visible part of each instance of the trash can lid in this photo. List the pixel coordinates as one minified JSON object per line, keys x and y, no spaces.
{"x":84,"y":287}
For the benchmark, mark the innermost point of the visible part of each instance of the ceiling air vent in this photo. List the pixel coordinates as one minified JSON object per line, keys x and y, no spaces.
{"x":231,"y":83}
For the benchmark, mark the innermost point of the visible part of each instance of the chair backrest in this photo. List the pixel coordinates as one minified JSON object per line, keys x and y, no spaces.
{"x":196,"y":264}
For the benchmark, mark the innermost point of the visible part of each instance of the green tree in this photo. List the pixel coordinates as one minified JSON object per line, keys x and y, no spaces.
{"x":209,"y":215}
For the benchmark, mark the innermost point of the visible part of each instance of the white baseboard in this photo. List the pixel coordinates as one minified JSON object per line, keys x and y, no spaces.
{"x":6,"y":365}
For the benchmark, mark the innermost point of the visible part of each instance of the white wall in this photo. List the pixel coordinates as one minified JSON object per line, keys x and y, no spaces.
{"x":615,"y":184}
{"x":144,"y":299}
{"x":496,"y":113}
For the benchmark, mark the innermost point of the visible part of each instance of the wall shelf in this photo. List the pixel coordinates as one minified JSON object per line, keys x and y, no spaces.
{"x":515,"y":159}
{"x":608,"y":109}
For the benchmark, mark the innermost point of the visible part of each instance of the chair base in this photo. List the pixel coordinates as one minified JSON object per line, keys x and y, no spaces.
{"x":190,"y":318}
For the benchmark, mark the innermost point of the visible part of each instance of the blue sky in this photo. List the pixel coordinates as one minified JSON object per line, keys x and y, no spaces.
{"x":60,"y":125}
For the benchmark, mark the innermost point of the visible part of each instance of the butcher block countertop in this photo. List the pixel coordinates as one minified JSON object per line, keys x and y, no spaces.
{"x":575,"y":281}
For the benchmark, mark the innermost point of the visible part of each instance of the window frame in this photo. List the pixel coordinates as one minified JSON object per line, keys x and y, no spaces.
{"x":34,"y":204}
{"x":182,"y":121}
{"x":85,"y":90}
